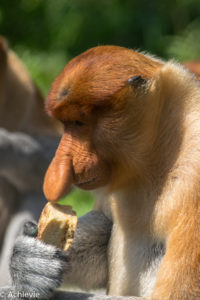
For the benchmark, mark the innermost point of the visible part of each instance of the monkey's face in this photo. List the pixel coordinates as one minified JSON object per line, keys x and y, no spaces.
{"x":89,"y":98}
{"x":76,"y":162}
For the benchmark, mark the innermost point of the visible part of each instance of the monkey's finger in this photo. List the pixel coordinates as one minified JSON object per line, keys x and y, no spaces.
{"x":42,"y":267}
{"x":30,"y":229}
{"x":40,"y":281}
{"x":26,"y":246}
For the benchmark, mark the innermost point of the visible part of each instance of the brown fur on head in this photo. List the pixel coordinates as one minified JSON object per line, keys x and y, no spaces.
{"x":21,"y":103}
{"x":92,"y":78}
{"x":93,"y":97}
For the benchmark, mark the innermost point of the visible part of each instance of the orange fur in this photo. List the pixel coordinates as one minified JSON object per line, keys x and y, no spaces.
{"x":142,"y":145}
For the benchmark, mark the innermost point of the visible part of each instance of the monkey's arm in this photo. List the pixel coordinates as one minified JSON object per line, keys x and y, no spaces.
{"x":38,"y":267}
{"x":88,"y":253}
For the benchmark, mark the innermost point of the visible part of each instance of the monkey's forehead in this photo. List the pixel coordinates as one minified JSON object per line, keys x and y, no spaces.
{"x":99,"y":73}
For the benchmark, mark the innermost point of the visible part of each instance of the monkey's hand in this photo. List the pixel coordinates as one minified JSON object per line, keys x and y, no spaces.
{"x":36,"y":268}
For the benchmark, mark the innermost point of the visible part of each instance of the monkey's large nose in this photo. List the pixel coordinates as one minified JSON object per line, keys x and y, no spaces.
{"x":57,"y":181}
{"x":59,"y":176}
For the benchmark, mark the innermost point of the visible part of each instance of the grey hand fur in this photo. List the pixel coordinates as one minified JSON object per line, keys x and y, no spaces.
{"x":36,"y":267}
{"x":40,"y":268}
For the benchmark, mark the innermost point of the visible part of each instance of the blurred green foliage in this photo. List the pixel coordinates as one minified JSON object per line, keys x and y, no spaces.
{"x":81,"y":201}
{"x":46,"y":34}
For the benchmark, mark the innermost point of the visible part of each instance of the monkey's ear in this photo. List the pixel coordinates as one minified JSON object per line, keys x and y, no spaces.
{"x":136,"y":81}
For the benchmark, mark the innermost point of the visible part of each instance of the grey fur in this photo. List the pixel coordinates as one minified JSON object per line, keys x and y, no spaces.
{"x":89,"y":252}
{"x":23,"y":162}
{"x":37,"y":267}
{"x":24,"y":159}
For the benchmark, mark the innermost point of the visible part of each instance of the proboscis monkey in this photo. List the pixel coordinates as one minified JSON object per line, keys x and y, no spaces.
{"x":132,"y":134}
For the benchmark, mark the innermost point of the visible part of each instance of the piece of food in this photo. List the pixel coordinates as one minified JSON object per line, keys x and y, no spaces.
{"x":57,"y":225}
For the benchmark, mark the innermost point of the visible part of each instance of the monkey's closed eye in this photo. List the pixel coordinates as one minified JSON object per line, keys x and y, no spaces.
{"x":63,"y":93}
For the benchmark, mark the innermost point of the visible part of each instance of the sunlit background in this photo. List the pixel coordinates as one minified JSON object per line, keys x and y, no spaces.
{"x":47,"y":34}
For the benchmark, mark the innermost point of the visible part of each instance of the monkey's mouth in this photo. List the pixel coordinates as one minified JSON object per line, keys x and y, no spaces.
{"x":87,"y":184}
